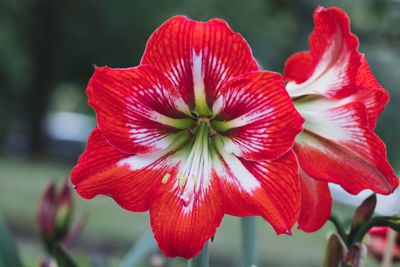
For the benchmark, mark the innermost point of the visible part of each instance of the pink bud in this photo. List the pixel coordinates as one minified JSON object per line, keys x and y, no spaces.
{"x":64,"y":208}
{"x":45,"y":215}
{"x":54,"y":213}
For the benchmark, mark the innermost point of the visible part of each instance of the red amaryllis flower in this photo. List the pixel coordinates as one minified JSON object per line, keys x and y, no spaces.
{"x":377,"y":243}
{"x":334,"y":90}
{"x":193,"y":133}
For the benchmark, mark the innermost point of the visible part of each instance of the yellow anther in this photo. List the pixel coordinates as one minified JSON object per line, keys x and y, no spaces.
{"x":194,"y":177}
{"x":183,"y":180}
{"x":166,"y":178}
{"x":179,"y":175}
{"x":207,"y":183}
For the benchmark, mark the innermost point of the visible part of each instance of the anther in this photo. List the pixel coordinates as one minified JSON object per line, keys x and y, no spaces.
{"x":179,"y":175}
{"x":166,"y":178}
{"x":194,"y":115}
{"x":183,"y":181}
{"x":207,"y":183}
{"x":194,"y":177}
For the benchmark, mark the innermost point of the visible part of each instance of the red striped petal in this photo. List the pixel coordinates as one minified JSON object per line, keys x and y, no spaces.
{"x":137,"y":108}
{"x":371,"y":94}
{"x":98,"y":172}
{"x":265,"y":125}
{"x":198,"y":55}
{"x":183,"y":230}
{"x":338,"y":146}
{"x":316,"y":203}
{"x":330,"y":68}
{"x":277,"y":196}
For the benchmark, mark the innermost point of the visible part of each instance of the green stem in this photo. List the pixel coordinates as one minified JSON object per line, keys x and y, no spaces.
{"x":201,"y":260}
{"x":249,"y":241}
{"x":375,"y":221}
{"x":62,"y":257}
{"x":339,"y":227}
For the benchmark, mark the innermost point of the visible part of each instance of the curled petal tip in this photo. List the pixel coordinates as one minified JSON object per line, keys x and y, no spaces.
{"x":288,"y":232}
{"x":320,"y":9}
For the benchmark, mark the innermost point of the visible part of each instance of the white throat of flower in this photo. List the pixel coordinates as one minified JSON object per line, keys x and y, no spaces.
{"x":195,"y":170}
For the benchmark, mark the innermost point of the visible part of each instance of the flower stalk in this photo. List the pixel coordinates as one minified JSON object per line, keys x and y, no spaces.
{"x":249,"y":241}
{"x":202,"y":259}
{"x":339,"y":226}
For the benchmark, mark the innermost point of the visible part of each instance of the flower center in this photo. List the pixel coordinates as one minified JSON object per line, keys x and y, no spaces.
{"x":197,"y":161}
{"x":195,"y":169}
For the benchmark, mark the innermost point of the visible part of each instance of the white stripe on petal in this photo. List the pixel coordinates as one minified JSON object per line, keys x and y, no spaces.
{"x":198,"y":83}
{"x":338,"y":124}
{"x":241,"y":176}
{"x":329,"y":74}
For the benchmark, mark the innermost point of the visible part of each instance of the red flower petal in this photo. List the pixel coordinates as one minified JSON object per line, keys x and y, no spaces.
{"x":137,"y":108}
{"x":99,"y":172}
{"x":371,"y":94}
{"x":265,"y":125}
{"x":266,"y":188}
{"x":183,"y":230}
{"x":330,"y":68}
{"x":198,"y":56}
{"x":316,"y":203}
{"x":338,"y":146}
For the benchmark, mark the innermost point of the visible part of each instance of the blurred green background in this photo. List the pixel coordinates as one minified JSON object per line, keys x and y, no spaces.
{"x":47,"y":52}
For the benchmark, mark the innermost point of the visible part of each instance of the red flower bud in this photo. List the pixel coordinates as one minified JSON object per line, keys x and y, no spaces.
{"x":46,"y":212}
{"x":64,"y":207}
{"x":54,"y":214}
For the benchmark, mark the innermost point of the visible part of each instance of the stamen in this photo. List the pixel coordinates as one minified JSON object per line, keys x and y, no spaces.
{"x":207,"y":183}
{"x":194,"y":114}
{"x":183,"y":181}
{"x":179,"y":175}
{"x":166,"y":178}
{"x":197,"y":162}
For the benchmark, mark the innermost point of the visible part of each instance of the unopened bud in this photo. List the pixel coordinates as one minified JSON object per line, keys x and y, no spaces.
{"x":46,"y":212}
{"x":364,"y":212}
{"x":54,"y":214}
{"x":63,"y":215}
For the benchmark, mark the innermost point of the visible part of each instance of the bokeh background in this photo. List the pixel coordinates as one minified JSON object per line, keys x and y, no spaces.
{"x":47,"y":52}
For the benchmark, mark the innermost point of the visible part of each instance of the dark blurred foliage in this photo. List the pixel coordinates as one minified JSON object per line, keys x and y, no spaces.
{"x":48,"y":49}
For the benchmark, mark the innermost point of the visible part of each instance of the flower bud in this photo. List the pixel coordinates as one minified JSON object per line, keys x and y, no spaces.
{"x":64,"y":207}
{"x":54,"y":214}
{"x":46,"y":213}
{"x":364,"y":212}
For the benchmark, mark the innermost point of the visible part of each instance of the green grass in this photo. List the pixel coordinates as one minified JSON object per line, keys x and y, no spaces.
{"x":110,"y":230}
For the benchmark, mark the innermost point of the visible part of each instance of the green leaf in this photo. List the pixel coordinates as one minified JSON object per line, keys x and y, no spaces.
{"x":140,"y":251}
{"x":8,"y":252}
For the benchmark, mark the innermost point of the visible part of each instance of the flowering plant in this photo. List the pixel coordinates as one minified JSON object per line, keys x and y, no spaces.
{"x":197,"y":131}
{"x":334,"y":90}
{"x":194,"y":132}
